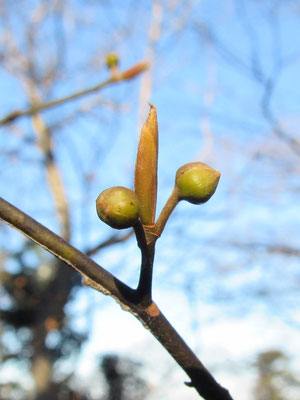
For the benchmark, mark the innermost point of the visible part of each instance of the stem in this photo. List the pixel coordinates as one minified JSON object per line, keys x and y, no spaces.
{"x":40,"y":107}
{"x":144,"y":288}
{"x":146,"y":238}
{"x":166,"y":212}
{"x":121,"y":76}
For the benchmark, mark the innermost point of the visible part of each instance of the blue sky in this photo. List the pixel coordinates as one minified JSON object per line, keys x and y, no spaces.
{"x":197,"y":84}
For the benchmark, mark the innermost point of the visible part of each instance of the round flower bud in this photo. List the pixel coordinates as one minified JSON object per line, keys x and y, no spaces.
{"x":196,"y":182}
{"x":118,"y":207}
{"x":112,"y":60}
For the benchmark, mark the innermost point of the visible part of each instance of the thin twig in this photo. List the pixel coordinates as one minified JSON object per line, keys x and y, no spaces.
{"x":166,"y":212}
{"x":41,"y":107}
{"x":121,"y":76}
{"x":114,"y":239}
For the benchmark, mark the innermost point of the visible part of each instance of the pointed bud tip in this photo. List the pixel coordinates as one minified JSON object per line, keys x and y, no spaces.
{"x":145,"y":177}
{"x":135,"y":70}
{"x":152,"y":119}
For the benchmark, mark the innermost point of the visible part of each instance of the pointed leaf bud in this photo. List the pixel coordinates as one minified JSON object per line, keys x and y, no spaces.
{"x":196,"y":182}
{"x":118,"y":207}
{"x":135,"y":70}
{"x":145,"y":178}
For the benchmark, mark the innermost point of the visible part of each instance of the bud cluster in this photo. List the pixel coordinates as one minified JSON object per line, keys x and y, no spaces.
{"x":122,"y":208}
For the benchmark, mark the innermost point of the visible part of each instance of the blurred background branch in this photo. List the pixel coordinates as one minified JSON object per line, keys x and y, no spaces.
{"x":224,"y":80}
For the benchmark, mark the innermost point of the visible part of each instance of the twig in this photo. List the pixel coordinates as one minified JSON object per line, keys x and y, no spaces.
{"x":121,"y":76}
{"x":144,"y":289}
{"x":114,"y":239}
{"x":101,"y":280}
{"x":41,"y":107}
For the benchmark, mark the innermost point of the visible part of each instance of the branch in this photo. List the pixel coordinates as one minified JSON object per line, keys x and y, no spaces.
{"x":114,"y":239}
{"x":53,"y":175}
{"x":125,"y":75}
{"x":271,"y":119}
{"x":280,"y":249}
{"x":254,"y":71}
{"x":41,"y":107}
{"x":101,"y":280}
{"x":61,"y":249}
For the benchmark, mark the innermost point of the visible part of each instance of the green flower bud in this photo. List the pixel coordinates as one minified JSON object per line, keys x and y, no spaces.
{"x":112,"y":60}
{"x":118,"y":207}
{"x":196,"y":182}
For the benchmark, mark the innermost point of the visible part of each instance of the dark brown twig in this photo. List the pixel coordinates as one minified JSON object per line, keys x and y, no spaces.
{"x":101,"y":280}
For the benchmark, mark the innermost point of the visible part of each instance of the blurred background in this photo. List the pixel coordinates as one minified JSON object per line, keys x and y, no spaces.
{"x":224,"y":77}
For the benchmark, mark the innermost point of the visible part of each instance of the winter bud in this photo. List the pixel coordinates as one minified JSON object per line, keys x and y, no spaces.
{"x":118,"y":207}
{"x":112,"y":60}
{"x":196,"y":182}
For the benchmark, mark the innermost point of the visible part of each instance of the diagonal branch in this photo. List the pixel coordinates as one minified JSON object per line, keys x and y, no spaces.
{"x":114,"y":239}
{"x":61,"y":249}
{"x":100,"y":279}
{"x":125,"y":75}
{"x":12,"y":116}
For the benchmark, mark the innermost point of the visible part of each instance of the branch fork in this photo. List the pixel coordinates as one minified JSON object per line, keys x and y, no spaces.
{"x":137,"y":301}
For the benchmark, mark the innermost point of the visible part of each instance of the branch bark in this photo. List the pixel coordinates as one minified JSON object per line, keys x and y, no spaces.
{"x":100,"y":279}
